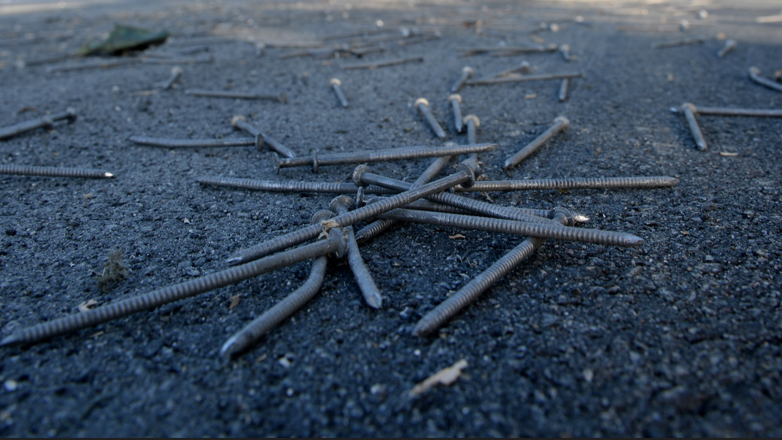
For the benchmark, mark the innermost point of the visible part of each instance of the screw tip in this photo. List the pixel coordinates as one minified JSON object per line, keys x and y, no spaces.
{"x":9,"y":340}
{"x":421,"y":329}
{"x":634,"y":240}
{"x":375,"y":301}
{"x":233,"y":261}
{"x":108,"y":175}
{"x":229,"y":348}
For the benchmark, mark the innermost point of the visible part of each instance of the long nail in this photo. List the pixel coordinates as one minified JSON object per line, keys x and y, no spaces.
{"x":290,"y":186}
{"x":754,"y":75}
{"x":729,"y":46}
{"x":191,"y":143}
{"x":573,"y":183}
{"x":423,"y":106}
{"x":46,"y":121}
{"x":563,"y":87}
{"x":176,"y":73}
{"x":524,"y":67}
{"x":336,"y":84}
{"x":727,"y":111}
{"x":524,"y":78}
{"x":282,"y":97}
{"x":157,"y":298}
{"x":261,"y":138}
{"x":54,"y":172}
{"x":689,"y":112}
{"x":473,"y":123}
{"x":561,"y":123}
{"x":677,"y":43}
{"x":457,"y":111}
{"x":93,"y":65}
{"x":467,"y":73}
{"x":385,"y":63}
{"x":207,"y":59}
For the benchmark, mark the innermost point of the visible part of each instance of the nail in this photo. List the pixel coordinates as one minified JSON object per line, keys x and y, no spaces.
{"x":46,"y":121}
{"x":523,"y":78}
{"x":423,"y":106}
{"x":363,"y":278}
{"x":572,"y":183}
{"x":261,"y":138}
{"x":517,"y":51}
{"x":336,"y":84}
{"x":677,"y":43}
{"x":20,"y":170}
{"x":402,"y":153}
{"x":689,"y":112}
{"x":466,"y":174}
{"x":157,"y":298}
{"x":729,"y":46}
{"x":726,"y":111}
{"x":457,"y":111}
{"x":290,"y":186}
{"x":524,"y":67}
{"x":473,"y":123}
{"x":563,"y":86}
{"x":282,"y":97}
{"x":754,"y":75}
{"x":467,"y":73}
{"x":510,"y":50}
{"x":386,"y":63}
{"x":564,"y":50}
{"x":191,"y":143}
{"x":93,"y":65}
{"x":176,"y":73}
{"x":206,"y":59}
{"x":561,"y":123}
{"x":263,"y":324}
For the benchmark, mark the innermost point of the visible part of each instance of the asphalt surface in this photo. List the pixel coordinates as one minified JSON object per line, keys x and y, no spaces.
{"x":678,"y":337}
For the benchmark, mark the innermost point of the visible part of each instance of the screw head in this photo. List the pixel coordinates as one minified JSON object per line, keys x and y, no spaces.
{"x":335,"y":81}
{"x":361,"y":169}
{"x":320,"y":216}
{"x":564,"y":48}
{"x":237,"y":119}
{"x":338,"y":201}
{"x":563,"y":120}
{"x":71,"y":114}
{"x":176,"y":70}
{"x":283,"y":98}
{"x":455,"y":96}
{"x":754,"y":71}
{"x":690,"y":106}
{"x":472,"y":169}
{"x":423,"y":101}
{"x":472,"y":118}
{"x":468,"y":71}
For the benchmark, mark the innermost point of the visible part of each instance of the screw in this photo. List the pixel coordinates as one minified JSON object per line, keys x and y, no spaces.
{"x":524,"y":67}
{"x":523,"y":78}
{"x":754,"y":75}
{"x":176,"y":72}
{"x":504,"y":226}
{"x":364,"y":279}
{"x":385,"y":63}
{"x":481,"y":283}
{"x":283,"y":309}
{"x":466,"y":174}
{"x":457,"y":111}
{"x":574,"y":183}
{"x":508,"y":50}
{"x":516,"y":51}
{"x":93,"y":65}
{"x":157,"y":298}
{"x":677,"y":43}
{"x":383,"y":155}
{"x":564,"y":50}
{"x":563,"y":86}
{"x":291,"y":186}
{"x":467,"y":73}
{"x":423,"y":106}
{"x":725,"y":111}
{"x":689,"y":112}
{"x":46,"y":121}
{"x":561,"y":123}
{"x":336,"y":84}
{"x":282,"y":97}
{"x":206,"y":59}
{"x":473,"y":123}
{"x":191,"y":143}
{"x":261,"y":138}
{"x":54,"y":172}
{"x":729,"y":46}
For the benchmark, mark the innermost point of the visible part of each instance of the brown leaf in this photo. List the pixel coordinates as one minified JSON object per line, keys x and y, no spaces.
{"x":454,"y":237}
{"x":235,"y":300}
{"x":446,"y":376}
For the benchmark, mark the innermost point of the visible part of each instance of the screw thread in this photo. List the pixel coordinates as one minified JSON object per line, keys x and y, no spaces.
{"x":290,"y":186}
{"x":572,"y":183}
{"x":191,"y":143}
{"x":46,"y":121}
{"x":54,"y":172}
{"x":373,"y":229}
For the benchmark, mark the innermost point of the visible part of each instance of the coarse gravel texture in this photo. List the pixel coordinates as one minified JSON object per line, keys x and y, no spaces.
{"x":678,"y":337}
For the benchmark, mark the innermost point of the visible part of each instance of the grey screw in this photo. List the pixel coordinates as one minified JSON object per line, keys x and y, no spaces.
{"x":754,"y":75}
{"x":206,"y":59}
{"x":551,"y":230}
{"x":563,"y":86}
{"x":261,"y":138}
{"x":457,"y":111}
{"x":191,"y":143}
{"x":291,"y":186}
{"x":54,"y":172}
{"x":523,"y":78}
{"x":157,"y":298}
{"x":423,"y":106}
{"x":689,"y":112}
{"x":508,"y":50}
{"x":336,"y":84}
{"x":46,"y":121}
{"x":93,"y":65}
{"x":677,"y":43}
{"x":386,"y":63}
{"x":573,"y":183}
{"x":176,"y":73}
{"x":383,"y":155}
{"x":473,"y":123}
{"x":481,"y":283}
{"x":726,"y":111}
{"x":561,"y":123}
{"x":465,"y":175}
{"x":283,"y":309}
{"x":467,"y":73}
{"x":282,"y":97}
{"x":564,"y":50}
{"x":524,"y":67}
{"x":364,"y":279}
{"x":729,"y":46}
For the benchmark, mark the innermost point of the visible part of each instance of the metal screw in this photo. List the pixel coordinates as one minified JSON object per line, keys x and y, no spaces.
{"x":467,"y":73}
{"x":524,"y":67}
{"x":473,"y":123}
{"x":46,"y":121}
{"x":729,"y":46}
{"x":364,"y":279}
{"x":457,"y":111}
{"x":754,"y":75}
{"x":54,"y":172}
{"x":423,"y":106}
{"x":386,"y":63}
{"x":481,"y":283}
{"x":689,"y":112}
{"x":523,"y":78}
{"x":466,"y":174}
{"x":677,"y":43}
{"x":157,"y":298}
{"x":507,"y":50}
{"x":565,"y":51}
{"x":191,"y":143}
{"x":261,"y":325}
{"x":206,"y":59}
{"x":726,"y":111}
{"x":261,"y":138}
{"x":383,"y":155}
{"x":563,"y":86}
{"x":282,"y":97}
{"x":573,"y":183}
{"x":176,"y":72}
{"x":93,"y":65}
{"x":291,"y":186}
{"x":336,"y":84}
{"x":561,"y":123}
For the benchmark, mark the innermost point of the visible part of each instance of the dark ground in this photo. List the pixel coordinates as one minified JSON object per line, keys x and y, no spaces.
{"x":680,"y":337}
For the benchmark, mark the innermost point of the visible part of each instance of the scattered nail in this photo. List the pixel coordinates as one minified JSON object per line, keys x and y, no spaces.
{"x":385,"y":63}
{"x":46,"y":121}
{"x":457,"y":111}
{"x":729,"y":46}
{"x":176,"y":73}
{"x":564,"y":50}
{"x":261,"y":139}
{"x":20,"y":170}
{"x":754,"y":75}
{"x":282,"y":97}
{"x":561,"y":123}
{"x":192,"y":143}
{"x":423,"y":106}
{"x":563,"y":89}
{"x":572,"y":183}
{"x":336,"y":84}
{"x":524,"y":78}
{"x":677,"y":43}
{"x":689,"y":112}
{"x":467,"y":73}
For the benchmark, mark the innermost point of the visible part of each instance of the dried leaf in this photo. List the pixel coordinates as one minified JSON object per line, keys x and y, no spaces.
{"x":446,"y":376}
{"x":87,"y":305}
{"x":88,"y":196}
{"x":685,"y":233}
{"x":97,"y":334}
{"x":454,"y":237}
{"x":235,"y":300}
